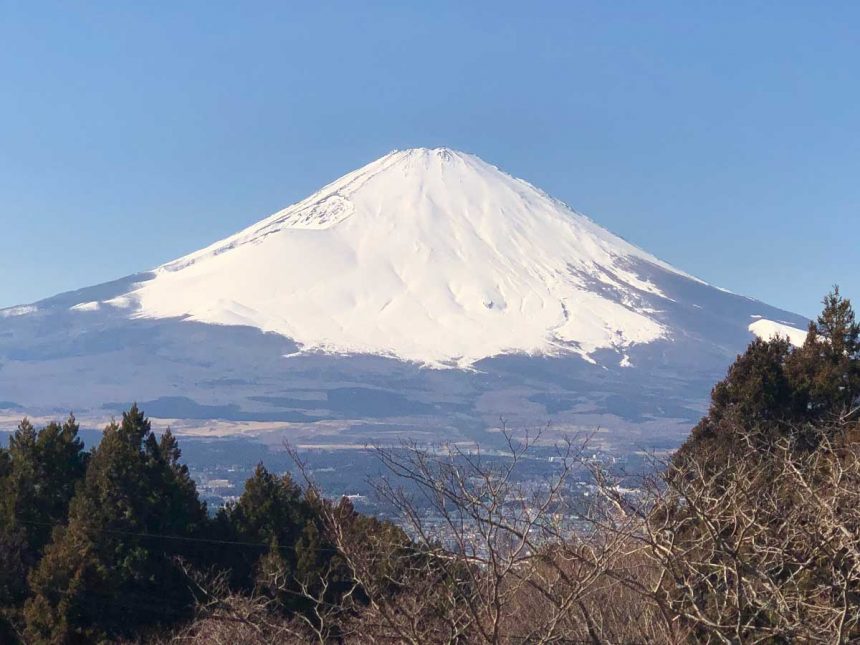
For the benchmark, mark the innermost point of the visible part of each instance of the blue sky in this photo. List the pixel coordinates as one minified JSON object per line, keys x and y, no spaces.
{"x":722,"y":137}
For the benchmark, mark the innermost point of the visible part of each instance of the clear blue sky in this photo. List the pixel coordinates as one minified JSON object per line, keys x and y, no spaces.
{"x":722,"y":136}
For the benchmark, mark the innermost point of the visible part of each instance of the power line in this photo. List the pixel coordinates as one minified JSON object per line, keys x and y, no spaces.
{"x":181,"y":538}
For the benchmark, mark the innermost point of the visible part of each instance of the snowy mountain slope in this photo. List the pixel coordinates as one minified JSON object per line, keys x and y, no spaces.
{"x":431,"y":256}
{"x":329,"y":313}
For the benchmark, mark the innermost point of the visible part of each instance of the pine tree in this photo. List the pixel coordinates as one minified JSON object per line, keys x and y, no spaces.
{"x":5,"y":463}
{"x":773,"y":390}
{"x":311,"y":556}
{"x":274,"y":576}
{"x":38,"y":475}
{"x":14,"y":565}
{"x":271,"y":509}
{"x":112,"y":569}
{"x":756,"y":389}
{"x":826,"y":370}
{"x":756,"y":396}
{"x":19,"y":502}
{"x":274,"y":512}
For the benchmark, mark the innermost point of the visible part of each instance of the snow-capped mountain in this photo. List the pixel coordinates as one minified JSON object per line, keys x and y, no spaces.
{"x":432,"y":256}
{"x":426,"y":279}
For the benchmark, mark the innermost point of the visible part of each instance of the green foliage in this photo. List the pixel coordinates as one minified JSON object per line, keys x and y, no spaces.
{"x":112,"y":568}
{"x":281,"y":548}
{"x":13,"y":566}
{"x":270,"y":511}
{"x":826,"y":370}
{"x":97,"y":547}
{"x":42,"y":469}
{"x":38,"y":475}
{"x":310,"y":556}
{"x":774,"y":390}
{"x":756,"y":390}
{"x":270,"y":507}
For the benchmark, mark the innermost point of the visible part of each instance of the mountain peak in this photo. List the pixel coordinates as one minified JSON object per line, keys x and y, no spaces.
{"x":414,"y":174}
{"x":443,"y":154}
{"x":429,"y":160}
{"x":426,"y":160}
{"x":428,"y":255}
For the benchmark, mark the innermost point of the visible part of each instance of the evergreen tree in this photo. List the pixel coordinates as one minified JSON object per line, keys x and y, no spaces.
{"x":773,"y":390}
{"x":38,"y":475}
{"x":19,"y":500}
{"x":46,"y":467}
{"x":5,"y":463}
{"x":826,"y":370}
{"x":112,"y":569}
{"x":311,"y":556}
{"x":756,"y":388}
{"x":271,"y":510}
{"x":13,"y":579}
{"x":274,"y":576}
{"x":755,"y":395}
{"x":284,"y":552}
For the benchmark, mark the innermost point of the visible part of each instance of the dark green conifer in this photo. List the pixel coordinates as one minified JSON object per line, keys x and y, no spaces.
{"x":113,"y":568}
{"x":271,"y":510}
{"x":38,"y":475}
{"x":825,"y":372}
{"x":773,"y":390}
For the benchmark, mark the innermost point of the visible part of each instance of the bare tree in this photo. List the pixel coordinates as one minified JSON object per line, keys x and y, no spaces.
{"x":757,"y":545}
{"x":225,"y":617}
{"x":491,"y":560}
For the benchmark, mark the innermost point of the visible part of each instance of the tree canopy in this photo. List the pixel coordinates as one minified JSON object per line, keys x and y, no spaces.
{"x":775,"y":390}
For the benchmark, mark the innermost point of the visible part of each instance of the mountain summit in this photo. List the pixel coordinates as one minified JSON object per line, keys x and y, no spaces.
{"x":427,"y":255}
{"x":326,"y":315}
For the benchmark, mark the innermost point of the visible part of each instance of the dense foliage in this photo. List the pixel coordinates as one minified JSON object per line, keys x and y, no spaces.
{"x":101,"y":546}
{"x":774,"y":390}
{"x":38,"y":475}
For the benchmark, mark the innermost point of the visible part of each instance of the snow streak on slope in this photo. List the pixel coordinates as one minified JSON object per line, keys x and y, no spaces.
{"x":431,"y":256}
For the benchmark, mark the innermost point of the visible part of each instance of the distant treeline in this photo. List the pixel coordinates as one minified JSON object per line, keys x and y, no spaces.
{"x":749,"y":533}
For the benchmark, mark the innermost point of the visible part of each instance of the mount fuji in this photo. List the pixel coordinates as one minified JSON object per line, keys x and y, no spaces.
{"x":426,"y":294}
